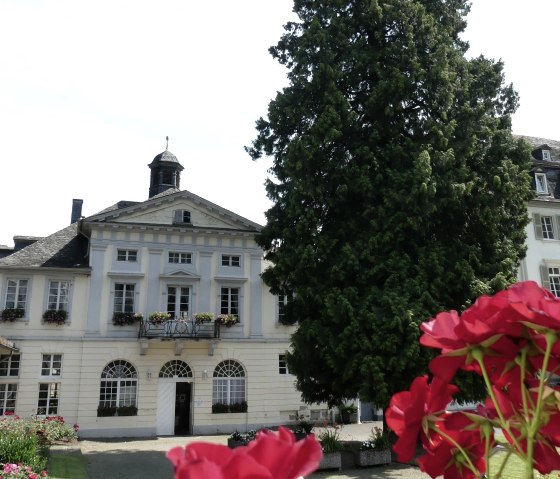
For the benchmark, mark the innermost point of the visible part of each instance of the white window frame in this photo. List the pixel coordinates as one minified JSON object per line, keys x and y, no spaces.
{"x":119,"y":384}
{"x":547,"y":224}
{"x":116,"y":293}
{"x":182,"y":216}
{"x":283,"y":365}
{"x":178,"y":257}
{"x":554,"y":280}
{"x":13,"y":363}
{"x":541,"y":184}
{"x":127,"y":255}
{"x":60,"y":300}
{"x":178,"y":313}
{"x":17,"y":303}
{"x":231,"y":260}
{"x":230,"y":301}
{"x":546,"y":155}
{"x":51,"y":365}
{"x":282,"y":301}
{"x":8,"y":397}
{"x":229,"y":383}
{"x":48,"y":399}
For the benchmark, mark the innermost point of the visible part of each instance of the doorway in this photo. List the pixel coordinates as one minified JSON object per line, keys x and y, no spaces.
{"x":182,"y":408}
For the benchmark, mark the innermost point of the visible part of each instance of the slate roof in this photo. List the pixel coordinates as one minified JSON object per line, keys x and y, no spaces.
{"x":539,"y":144}
{"x":63,"y":249}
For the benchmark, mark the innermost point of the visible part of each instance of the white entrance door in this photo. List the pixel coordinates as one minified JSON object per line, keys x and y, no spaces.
{"x":165,"y":416}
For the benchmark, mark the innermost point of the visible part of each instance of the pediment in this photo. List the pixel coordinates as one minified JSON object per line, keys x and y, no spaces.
{"x":179,"y":274}
{"x":161,"y":211}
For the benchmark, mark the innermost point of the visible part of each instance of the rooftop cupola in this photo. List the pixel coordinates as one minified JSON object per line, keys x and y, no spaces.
{"x":166,"y":172}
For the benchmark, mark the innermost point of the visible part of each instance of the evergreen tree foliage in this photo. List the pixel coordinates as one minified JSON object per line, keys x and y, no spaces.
{"x":398,"y":189}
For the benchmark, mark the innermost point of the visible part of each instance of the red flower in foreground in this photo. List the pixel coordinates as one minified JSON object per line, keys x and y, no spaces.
{"x":269,"y":456}
{"x":409,"y":412}
{"x":447,"y":460}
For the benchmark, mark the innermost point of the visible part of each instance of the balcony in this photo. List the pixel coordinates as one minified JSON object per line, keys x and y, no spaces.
{"x":181,"y":328}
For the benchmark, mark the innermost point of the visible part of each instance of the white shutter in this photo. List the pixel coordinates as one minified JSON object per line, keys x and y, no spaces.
{"x":545,"y":278}
{"x":538,"y":225}
{"x":178,"y":216}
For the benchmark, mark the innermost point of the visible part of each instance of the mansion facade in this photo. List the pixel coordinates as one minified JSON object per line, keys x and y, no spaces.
{"x":148,"y":318}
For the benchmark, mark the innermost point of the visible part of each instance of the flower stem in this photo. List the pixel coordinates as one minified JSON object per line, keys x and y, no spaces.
{"x":479,"y":356}
{"x":470,"y":465}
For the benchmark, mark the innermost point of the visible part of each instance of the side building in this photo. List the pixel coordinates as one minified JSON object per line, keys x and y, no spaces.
{"x":542,"y":262}
{"x":148,"y":318}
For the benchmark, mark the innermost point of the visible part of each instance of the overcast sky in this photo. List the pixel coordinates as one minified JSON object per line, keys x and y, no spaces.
{"x":90,"y":89}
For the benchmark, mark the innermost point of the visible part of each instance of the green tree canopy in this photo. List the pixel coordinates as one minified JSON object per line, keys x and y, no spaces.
{"x":398,"y":189}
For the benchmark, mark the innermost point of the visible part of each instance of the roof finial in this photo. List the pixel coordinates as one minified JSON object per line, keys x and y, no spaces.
{"x":166,"y":142}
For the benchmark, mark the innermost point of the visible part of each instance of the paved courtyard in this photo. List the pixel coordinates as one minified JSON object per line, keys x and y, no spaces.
{"x":145,"y":457}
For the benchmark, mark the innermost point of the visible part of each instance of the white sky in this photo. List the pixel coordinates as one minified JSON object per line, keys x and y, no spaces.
{"x":89,"y":90}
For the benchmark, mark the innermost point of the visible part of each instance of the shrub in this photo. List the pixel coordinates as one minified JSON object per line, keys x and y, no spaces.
{"x":330,"y":440}
{"x":379,"y":441}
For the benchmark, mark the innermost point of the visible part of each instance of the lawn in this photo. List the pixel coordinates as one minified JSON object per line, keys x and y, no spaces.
{"x":67,"y":466}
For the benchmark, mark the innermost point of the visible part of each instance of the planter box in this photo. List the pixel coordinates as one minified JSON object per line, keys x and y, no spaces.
{"x":331,"y":460}
{"x":232,"y":443}
{"x":373,"y":458}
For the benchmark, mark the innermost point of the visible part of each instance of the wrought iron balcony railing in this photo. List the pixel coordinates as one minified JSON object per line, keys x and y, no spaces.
{"x":179,"y":328}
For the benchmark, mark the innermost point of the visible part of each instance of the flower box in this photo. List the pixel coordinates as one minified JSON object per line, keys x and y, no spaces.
{"x":55,"y":316}
{"x":200,"y":318}
{"x":227,"y":320}
{"x":233,"y":443}
{"x":11,"y":314}
{"x":159,"y":317}
{"x":124,"y":319}
{"x":372,"y":458}
{"x":331,"y":460}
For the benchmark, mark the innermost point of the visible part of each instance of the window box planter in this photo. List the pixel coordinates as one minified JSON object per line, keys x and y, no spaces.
{"x":331,"y":460}
{"x":11,"y":314}
{"x":227,"y":320}
{"x":233,"y":443}
{"x":159,"y":317}
{"x":106,"y":411}
{"x":55,"y":316}
{"x":111,"y":411}
{"x":372,"y":458}
{"x":127,"y":411}
{"x":221,"y":408}
{"x":200,"y":318}
{"x":124,"y":319}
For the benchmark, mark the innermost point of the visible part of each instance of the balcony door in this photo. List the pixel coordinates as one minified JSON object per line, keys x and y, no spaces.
{"x":178,"y":301}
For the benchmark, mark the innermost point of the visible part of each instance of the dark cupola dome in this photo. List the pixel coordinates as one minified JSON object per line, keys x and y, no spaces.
{"x":166,"y":173}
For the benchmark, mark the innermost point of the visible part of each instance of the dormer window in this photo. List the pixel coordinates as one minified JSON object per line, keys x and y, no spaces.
{"x":546,"y":155}
{"x":540,"y":183}
{"x":181,"y":216}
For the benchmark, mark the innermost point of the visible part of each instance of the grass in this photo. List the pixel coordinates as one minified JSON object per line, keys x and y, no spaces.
{"x":515,"y":468}
{"x":67,"y":466}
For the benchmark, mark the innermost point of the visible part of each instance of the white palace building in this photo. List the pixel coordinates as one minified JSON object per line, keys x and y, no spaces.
{"x":76,"y":338}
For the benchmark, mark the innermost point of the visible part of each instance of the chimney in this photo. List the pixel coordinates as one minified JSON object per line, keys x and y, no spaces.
{"x":76,"y":210}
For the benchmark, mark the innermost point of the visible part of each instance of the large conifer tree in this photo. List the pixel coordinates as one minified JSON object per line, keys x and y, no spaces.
{"x":398,"y":190}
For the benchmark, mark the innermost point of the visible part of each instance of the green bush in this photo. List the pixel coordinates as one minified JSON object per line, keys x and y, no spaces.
{"x":18,"y":447}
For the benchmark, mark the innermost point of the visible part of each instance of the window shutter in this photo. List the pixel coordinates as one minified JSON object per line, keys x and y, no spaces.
{"x":178,"y":217}
{"x":556,"y":223}
{"x":545,"y":279}
{"x":538,"y":226}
